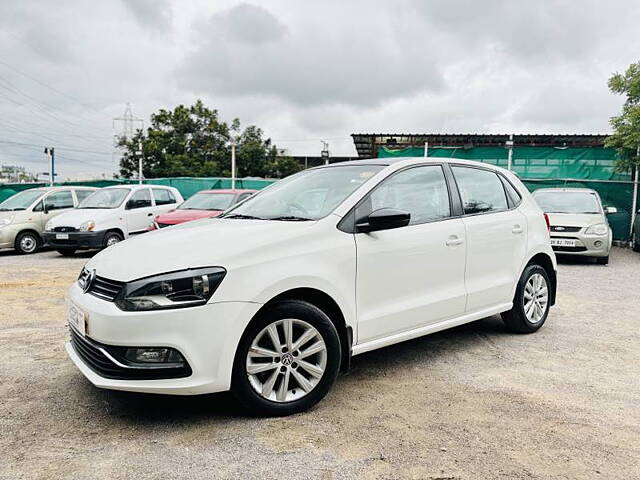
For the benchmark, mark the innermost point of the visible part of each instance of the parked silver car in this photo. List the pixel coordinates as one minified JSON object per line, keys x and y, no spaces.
{"x":578,"y":221}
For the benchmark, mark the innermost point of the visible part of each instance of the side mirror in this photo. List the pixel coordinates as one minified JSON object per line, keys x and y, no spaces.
{"x":46,"y":208}
{"x":384,"y":219}
{"x":610,"y":210}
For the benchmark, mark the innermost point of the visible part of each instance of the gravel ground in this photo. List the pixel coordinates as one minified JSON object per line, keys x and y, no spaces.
{"x":472,"y":402}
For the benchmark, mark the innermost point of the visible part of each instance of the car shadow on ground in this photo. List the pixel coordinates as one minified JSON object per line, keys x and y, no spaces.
{"x":131,"y":407}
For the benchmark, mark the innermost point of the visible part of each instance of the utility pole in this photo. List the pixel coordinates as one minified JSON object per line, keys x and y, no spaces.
{"x":233,"y":164}
{"x":51,"y":152}
{"x":509,"y":145}
{"x":634,"y":201}
{"x":139,"y":154}
{"x":325,"y":151}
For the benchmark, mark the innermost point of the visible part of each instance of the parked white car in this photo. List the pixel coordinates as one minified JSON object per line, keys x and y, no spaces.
{"x":109,"y":216}
{"x":578,"y":222}
{"x":273,"y":298}
{"x":24,"y":215}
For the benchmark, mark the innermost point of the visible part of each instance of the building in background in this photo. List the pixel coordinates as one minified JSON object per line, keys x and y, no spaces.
{"x":15,"y":174}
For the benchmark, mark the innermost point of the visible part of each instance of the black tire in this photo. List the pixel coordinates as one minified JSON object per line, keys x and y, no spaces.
{"x":27,"y":242}
{"x":66,"y":252}
{"x":516,"y":319}
{"x":112,"y":238}
{"x":289,"y":309}
{"x":635,"y":246}
{"x":602,"y":260}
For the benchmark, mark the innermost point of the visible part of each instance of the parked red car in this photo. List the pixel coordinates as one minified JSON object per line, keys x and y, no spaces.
{"x":204,"y":204}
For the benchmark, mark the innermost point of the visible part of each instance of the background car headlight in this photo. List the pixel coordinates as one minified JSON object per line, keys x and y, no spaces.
{"x":597,"y":229}
{"x":88,"y":226}
{"x":187,"y":288}
{"x":5,"y":221}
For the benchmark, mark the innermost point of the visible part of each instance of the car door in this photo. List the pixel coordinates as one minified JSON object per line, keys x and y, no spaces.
{"x":54,"y":204}
{"x":139,"y":211}
{"x":414,"y":275}
{"x":496,"y":235}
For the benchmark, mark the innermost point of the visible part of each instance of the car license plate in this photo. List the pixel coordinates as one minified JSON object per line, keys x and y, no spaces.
{"x":62,"y":236}
{"x":563,"y":242}
{"x":76,"y":318}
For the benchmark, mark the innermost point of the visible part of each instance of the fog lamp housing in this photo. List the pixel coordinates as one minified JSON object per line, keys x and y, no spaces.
{"x":158,"y":355}
{"x":597,"y":243}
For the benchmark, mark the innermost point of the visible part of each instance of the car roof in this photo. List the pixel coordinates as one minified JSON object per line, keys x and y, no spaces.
{"x":229,"y":190}
{"x":563,"y":189}
{"x":138,"y":186}
{"x":63,"y":187}
{"x":388,"y":161}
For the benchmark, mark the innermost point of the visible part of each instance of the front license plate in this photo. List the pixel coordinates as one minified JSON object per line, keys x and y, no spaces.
{"x":77,"y":318}
{"x":62,"y":236}
{"x":563,"y":242}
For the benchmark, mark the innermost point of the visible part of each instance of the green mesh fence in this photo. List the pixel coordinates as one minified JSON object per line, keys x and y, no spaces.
{"x":540,"y":167}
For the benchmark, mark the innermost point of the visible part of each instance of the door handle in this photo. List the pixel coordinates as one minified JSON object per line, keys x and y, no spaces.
{"x":453,"y":240}
{"x":149,"y":214}
{"x":517,"y":229}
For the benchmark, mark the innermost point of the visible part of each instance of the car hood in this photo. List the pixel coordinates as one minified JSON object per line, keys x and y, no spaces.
{"x":575,"y":219}
{"x":77,"y":216}
{"x":181,"y":216}
{"x":202,"y":243}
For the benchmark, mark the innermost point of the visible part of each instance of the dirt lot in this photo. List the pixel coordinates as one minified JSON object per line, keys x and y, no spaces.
{"x":473,"y":402}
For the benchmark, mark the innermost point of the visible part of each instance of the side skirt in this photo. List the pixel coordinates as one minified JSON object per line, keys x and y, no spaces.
{"x":426,"y":330}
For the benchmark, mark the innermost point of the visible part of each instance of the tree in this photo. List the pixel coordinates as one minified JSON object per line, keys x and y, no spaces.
{"x":194,"y":142}
{"x":626,"y":126}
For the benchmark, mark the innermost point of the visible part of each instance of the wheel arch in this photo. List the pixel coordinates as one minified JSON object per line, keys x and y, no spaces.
{"x":546,"y":262}
{"x":329,"y":307}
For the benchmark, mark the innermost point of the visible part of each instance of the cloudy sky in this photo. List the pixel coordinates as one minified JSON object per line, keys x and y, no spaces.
{"x":305,"y":71}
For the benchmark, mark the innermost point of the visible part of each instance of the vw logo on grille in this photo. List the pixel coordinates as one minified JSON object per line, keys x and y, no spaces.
{"x":86,"y":280}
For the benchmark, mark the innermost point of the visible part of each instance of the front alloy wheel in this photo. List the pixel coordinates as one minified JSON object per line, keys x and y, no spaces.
{"x":287,"y":360}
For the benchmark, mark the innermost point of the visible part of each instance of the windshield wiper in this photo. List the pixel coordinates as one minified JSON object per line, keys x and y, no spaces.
{"x":291,"y":218}
{"x":243,"y":217}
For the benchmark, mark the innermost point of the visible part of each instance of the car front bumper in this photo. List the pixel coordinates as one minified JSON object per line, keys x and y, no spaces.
{"x":77,"y":240}
{"x":585,"y":245}
{"x":206,"y":336}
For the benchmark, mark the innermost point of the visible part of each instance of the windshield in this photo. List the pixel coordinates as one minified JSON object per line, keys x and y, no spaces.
{"x":568,"y":202}
{"x":208,"y":201}
{"x":21,"y":201}
{"x":308,"y":195}
{"x":105,"y":198}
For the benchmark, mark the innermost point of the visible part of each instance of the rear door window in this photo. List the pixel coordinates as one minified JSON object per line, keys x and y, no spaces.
{"x":481,"y":190}
{"x":163,"y":196}
{"x":140,"y":199}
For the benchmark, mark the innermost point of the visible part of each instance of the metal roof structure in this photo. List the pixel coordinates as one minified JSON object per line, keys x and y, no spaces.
{"x":367,"y":143}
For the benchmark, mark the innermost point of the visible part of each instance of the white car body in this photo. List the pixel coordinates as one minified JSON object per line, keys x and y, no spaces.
{"x":388,"y":286}
{"x":66,"y":230}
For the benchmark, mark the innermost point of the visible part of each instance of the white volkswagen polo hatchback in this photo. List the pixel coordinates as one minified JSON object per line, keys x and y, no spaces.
{"x":272,"y":299}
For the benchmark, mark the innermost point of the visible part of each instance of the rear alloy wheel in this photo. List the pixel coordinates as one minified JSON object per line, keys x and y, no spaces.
{"x":27,"y":242}
{"x":287,"y":360}
{"x":531,"y":301}
{"x":111,"y":238}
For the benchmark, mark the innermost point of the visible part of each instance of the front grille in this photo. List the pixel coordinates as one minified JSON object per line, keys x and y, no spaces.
{"x":560,"y":228}
{"x":65,"y":229}
{"x":92,"y":354}
{"x":105,"y":289}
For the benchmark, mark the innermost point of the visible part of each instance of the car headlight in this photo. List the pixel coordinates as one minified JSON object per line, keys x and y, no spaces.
{"x":187,"y":288}
{"x":597,"y":229}
{"x":5,"y":221}
{"x":88,"y":226}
